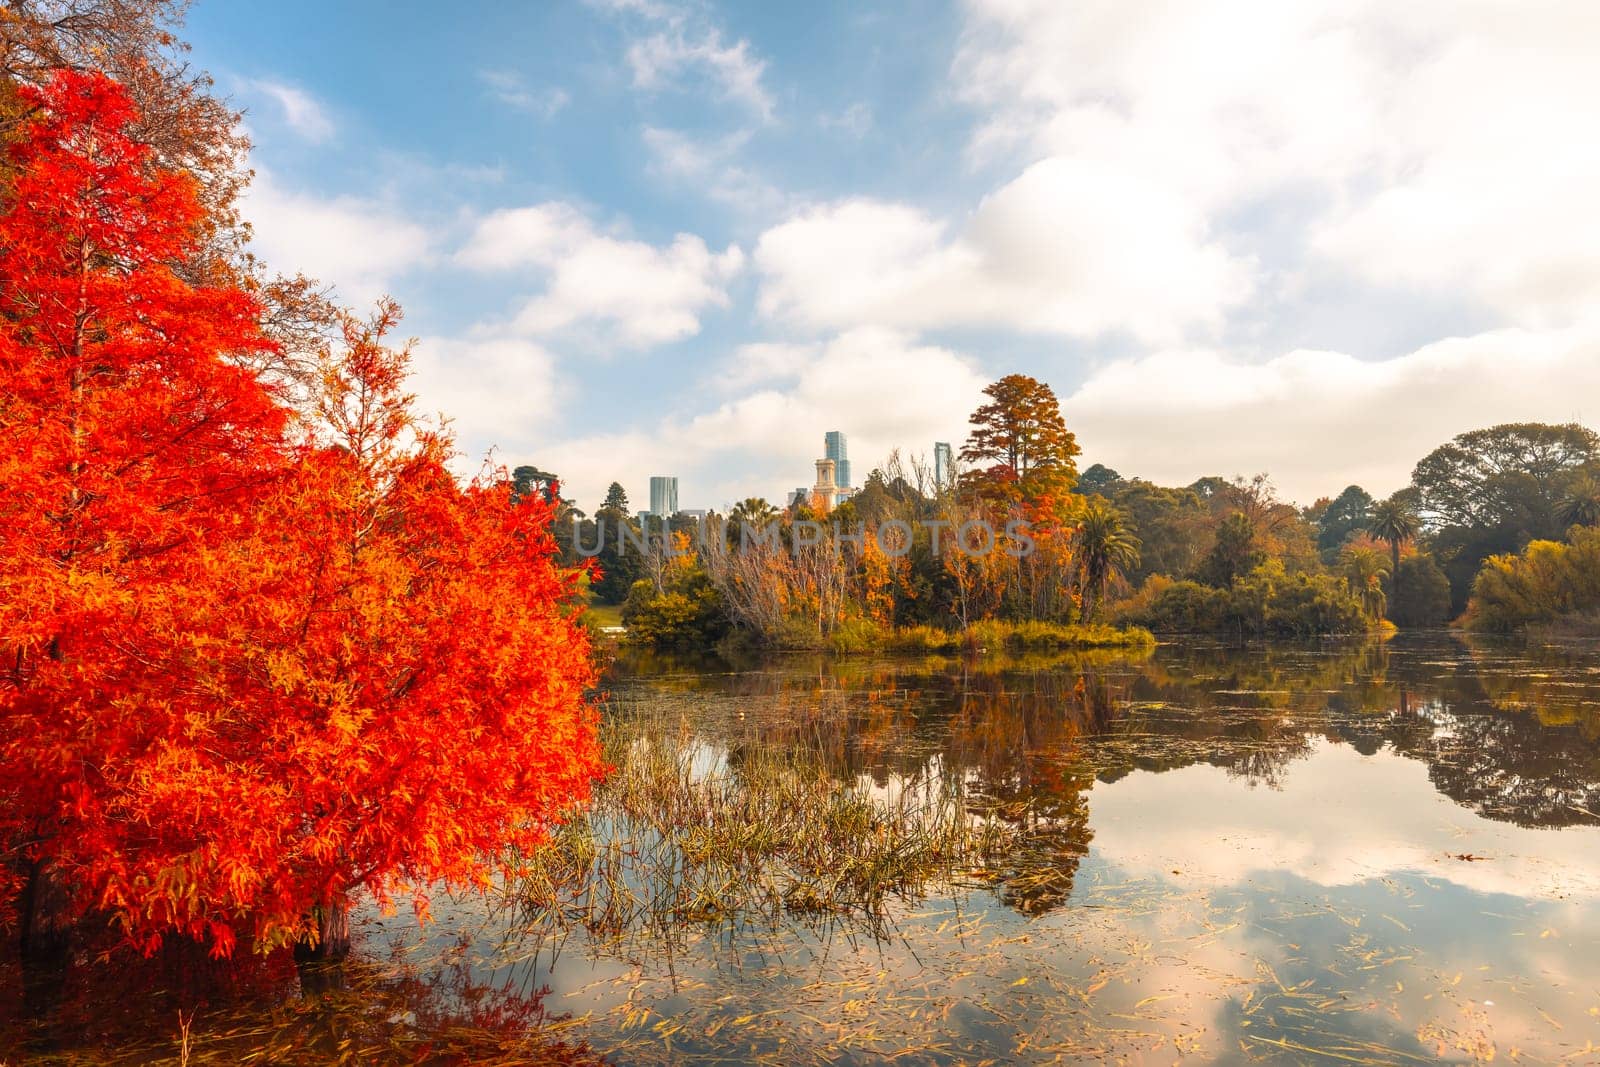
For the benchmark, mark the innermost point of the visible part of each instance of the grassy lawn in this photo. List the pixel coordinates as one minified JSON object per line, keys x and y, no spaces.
{"x":605,"y":614}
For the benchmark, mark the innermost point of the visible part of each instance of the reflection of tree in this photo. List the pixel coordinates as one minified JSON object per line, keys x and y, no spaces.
{"x":1250,"y":713}
{"x":1511,"y":768}
{"x":246,"y":1010}
{"x":1020,"y":742}
{"x":1512,"y":733}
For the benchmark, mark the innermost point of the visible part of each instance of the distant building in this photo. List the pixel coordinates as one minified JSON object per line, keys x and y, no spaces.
{"x":943,"y":464}
{"x":663,"y":496}
{"x":799,"y":496}
{"x":836,"y":448}
{"x":824,"y":493}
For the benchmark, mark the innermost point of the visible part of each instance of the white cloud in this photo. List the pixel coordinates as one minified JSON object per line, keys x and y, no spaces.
{"x":642,"y":294}
{"x":513,"y":90}
{"x":494,"y":390}
{"x":1434,"y":145}
{"x":1318,"y":421}
{"x":301,"y":111}
{"x":661,"y":58}
{"x":676,"y":45}
{"x":710,"y":167}
{"x":760,"y":363}
{"x":1065,"y":248}
{"x":764,"y":441}
{"x":359,"y":245}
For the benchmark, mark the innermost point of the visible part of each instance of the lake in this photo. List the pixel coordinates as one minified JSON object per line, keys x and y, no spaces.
{"x":1378,"y":853}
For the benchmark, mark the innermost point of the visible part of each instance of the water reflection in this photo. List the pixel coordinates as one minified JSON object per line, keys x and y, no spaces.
{"x":1380,"y":853}
{"x":1307,"y":830}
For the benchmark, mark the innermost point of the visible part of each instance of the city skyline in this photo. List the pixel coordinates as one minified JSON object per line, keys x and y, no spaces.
{"x":664,"y":488}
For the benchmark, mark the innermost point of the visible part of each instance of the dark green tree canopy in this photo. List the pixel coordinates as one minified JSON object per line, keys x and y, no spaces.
{"x":1510,"y":474}
{"x":616,"y":499}
{"x":1344,"y":515}
{"x":1234,"y":555}
{"x":1171,"y":523}
{"x":1100,"y":479}
{"x":1210,"y":487}
{"x":1419,"y":593}
{"x":526,"y":480}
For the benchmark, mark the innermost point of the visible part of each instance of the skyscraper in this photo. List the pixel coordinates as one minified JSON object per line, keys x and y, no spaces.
{"x":943,"y":464}
{"x":663,"y":496}
{"x":836,"y":448}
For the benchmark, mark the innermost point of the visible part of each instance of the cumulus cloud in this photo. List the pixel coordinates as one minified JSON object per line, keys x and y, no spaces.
{"x":491,"y":389}
{"x":301,"y":111}
{"x":1318,"y":421}
{"x":1065,"y":248}
{"x":1434,"y":145}
{"x":358,"y":244}
{"x":760,"y":363}
{"x":642,"y":294}
{"x":764,"y":440}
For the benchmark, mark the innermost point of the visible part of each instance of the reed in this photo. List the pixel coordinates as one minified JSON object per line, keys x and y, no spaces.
{"x":689,"y":832}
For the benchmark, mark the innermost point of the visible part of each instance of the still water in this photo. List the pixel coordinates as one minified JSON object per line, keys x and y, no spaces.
{"x":1386,"y":853}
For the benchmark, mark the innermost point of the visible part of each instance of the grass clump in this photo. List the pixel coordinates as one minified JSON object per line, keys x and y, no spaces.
{"x":688,"y":832}
{"x":996,"y":635}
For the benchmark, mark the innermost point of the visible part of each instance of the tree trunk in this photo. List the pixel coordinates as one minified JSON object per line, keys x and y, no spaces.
{"x":46,"y":939}
{"x":321,"y":965}
{"x":1394,"y":562}
{"x":333,"y":934}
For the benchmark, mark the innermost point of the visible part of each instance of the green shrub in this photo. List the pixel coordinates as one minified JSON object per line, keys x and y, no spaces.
{"x":688,"y":613}
{"x":1265,"y":602}
{"x":1547,"y":583}
{"x":1420,"y":596}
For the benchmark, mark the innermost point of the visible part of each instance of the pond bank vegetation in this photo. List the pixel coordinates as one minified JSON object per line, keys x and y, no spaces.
{"x":686,"y":833}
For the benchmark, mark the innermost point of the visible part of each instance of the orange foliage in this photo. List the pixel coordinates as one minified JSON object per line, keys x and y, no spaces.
{"x":245,"y":673}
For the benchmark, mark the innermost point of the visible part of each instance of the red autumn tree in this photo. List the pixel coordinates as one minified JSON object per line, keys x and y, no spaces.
{"x":399,"y":675}
{"x":246,"y":672}
{"x":129,"y":441}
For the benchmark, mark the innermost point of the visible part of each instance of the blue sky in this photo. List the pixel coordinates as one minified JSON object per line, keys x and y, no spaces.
{"x":643,"y":237}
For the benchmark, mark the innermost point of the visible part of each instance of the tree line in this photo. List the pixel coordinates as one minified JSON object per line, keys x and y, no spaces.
{"x":1220,"y":555}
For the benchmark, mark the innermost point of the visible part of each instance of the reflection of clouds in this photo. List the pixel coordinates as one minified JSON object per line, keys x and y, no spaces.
{"x":1325,"y":910}
{"x":1339,"y":818}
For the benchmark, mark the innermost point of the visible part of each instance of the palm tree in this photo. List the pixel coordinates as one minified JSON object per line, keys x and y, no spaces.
{"x":1581,"y":504}
{"x":1394,"y":521}
{"x":1364,"y":569}
{"x":1105,"y":548}
{"x":753,"y":512}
